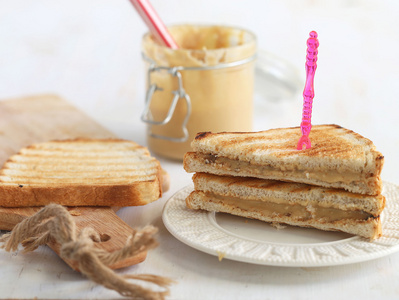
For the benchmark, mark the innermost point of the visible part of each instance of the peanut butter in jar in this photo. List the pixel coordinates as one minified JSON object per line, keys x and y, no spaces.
{"x":210,"y":77}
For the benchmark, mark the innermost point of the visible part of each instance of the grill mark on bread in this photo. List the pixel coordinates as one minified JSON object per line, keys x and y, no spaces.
{"x":61,"y":155}
{"x":81,"y":173}
{"x":72,"y":164}
{"x":201,"y":135}
{"x":20,"y":160}
{"x":69,"y":180}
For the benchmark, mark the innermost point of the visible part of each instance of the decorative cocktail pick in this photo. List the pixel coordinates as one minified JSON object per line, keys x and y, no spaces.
{"x":308,"y":92}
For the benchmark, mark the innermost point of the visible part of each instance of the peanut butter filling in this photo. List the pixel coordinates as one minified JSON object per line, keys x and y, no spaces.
{"x":330,"y":176}
{"x":294,"y":211}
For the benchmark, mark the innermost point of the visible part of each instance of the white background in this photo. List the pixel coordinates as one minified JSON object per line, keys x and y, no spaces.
{"x":89,"y":53}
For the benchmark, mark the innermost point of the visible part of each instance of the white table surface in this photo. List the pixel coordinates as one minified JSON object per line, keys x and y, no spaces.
{"x":89,"y":53}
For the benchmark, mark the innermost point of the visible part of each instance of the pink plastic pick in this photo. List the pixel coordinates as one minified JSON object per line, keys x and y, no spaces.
{"x":308,"y":92}
{"x":154,"y":23}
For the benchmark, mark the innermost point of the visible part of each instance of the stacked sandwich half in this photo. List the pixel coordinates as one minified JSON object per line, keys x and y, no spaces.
{"x":335,"y":185}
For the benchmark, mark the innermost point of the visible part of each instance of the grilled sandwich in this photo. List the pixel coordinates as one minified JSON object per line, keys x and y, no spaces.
{"x":81,"y":172}
{"x":295,"y":204}
{"x":338,"y":158}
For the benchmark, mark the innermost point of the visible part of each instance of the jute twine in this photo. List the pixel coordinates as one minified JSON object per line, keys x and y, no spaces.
{"x":54,"y":222}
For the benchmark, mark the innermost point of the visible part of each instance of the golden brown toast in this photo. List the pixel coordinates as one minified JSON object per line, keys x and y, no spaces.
{"x":289,"y":203}
{"x":81,"y":172}
{"x":338,"y":158}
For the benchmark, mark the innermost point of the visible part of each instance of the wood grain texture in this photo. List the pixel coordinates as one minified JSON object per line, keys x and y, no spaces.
{"x":41,"y":118}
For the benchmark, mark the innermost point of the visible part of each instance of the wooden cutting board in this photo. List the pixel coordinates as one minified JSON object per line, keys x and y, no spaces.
{"x":41,"y":118}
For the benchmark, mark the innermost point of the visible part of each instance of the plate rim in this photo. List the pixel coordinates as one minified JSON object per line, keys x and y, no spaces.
{"x":383,"y":250}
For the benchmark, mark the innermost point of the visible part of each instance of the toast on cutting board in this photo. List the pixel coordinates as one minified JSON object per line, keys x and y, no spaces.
{"x":81,"y":172}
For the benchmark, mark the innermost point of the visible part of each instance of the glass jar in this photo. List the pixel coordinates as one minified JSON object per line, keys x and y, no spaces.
{"x":205,"y":85}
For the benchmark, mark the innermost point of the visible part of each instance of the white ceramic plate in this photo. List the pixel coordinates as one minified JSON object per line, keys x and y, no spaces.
{"x":257,"y":242}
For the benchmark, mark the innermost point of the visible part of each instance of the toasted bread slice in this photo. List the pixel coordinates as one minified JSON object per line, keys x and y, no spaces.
{"x":81,"y":172}
{"x":289,"y":203}
{"x":338,"y":158}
